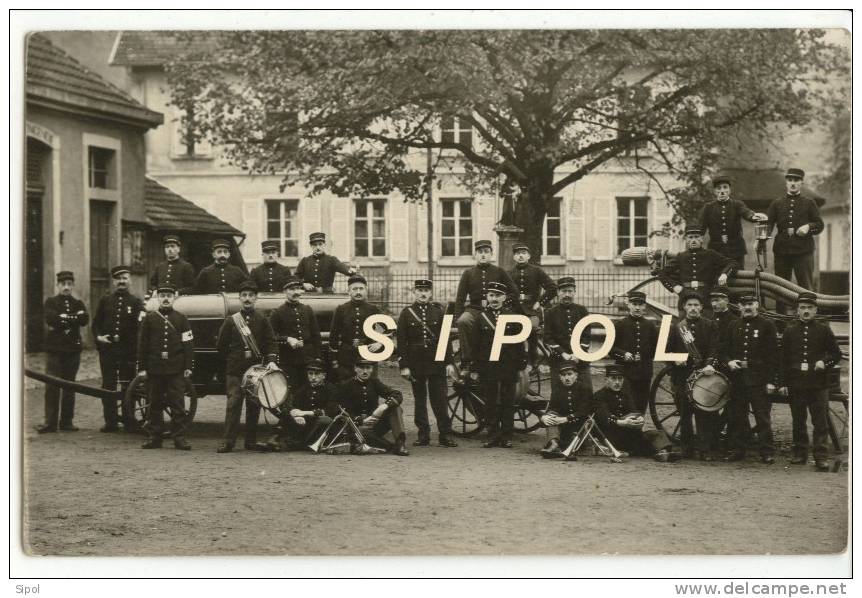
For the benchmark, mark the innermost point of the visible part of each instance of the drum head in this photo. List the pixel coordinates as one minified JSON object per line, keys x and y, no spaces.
{"x":272,"y":390}
{"x":710,"y":392}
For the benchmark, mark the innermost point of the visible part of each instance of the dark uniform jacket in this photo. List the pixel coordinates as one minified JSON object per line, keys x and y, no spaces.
{"x":118,"y":315}
{"x":753,"y":340}
{"x":612,"y":405}
{"x":361,"y":398}
{"x":64,"y":334}
{"x":700,"y":267}
{"x":639,"y":337}
{"x":575,"y":401}
{"x":723,"y":320}
{"x":472,"y":288}
{"x":319,"y":271}
{"x":417,"y":339}
{"x":165,"y":343}
{"x":296,"y":320}
{"x":706,"y":341}
{"x":808,"y":343}
{"x":270,"y":277}
{"x":345,"y":333}
{"x":311,"y":398}
{"x":179,"y":274}
{"x":230,"y":343}
{"x":560,"y":320}
{"x":723,"y":221}
{"x":531,"y":280}
{"x":792,"y":211}
{"x":219,"y":279}
{"x":513,"y":357}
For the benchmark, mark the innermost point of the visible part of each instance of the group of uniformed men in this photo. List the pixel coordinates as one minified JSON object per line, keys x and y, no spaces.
{"x":160,"y":347}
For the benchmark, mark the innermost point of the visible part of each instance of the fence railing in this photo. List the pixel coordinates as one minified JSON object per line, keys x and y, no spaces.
{"x":392,"y":290}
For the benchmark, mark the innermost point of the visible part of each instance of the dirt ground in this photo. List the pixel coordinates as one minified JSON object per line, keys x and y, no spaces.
{"x":88,"y":493}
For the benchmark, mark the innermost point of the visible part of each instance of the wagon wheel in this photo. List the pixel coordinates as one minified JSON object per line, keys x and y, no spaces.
{"x":530,"y":408}
{"x":466,"y":409}
{"x":662,"y":407}
{"x":136,"y":405}
{"x":838,"y":420}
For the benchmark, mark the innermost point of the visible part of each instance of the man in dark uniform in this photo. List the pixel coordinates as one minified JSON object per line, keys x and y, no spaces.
{"x":535,"y":289}
{"x":270,"y":276}
{"x":64,"y":315}
{"x":240,"y":357}
{"x":297,"y":333}
{"x":174,"y":271}
{"x":724,"y":317}
{"x":702,"y":348}
{"x":750,"y":351}
{"x":345,"y":332}
{"x":809,"y":351}
{"x":696,"y":268}
{"x":419,"y":329}
{"x":115,"y":327}
{"x":634,"y":349}
{"x":497,"y":379}
{"x":471,"y":296}
{"x":220,"y":276}
{"x":317,"y":270}
{"x":622,"y":424}
{"x":165,"y":360}
{"x":798,"y":220}
{"x":722,"y":219}
{"x":310,"y":408}
{"x":375,"y":407}
{"x":560,"y":321}
{"x":571,"y":403}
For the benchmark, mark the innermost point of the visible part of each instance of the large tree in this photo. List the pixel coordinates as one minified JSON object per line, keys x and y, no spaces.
{"x":347,"y":110}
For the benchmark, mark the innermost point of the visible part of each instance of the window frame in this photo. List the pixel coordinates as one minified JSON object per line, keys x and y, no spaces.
{"x":282,"y":239}
{"x":109,"y":170}
{"x":456,"y":131}
{"x":632,"y":235}
{"x":456,"y":202}
{"x":370,"y":220}
{"x":558,"y":200}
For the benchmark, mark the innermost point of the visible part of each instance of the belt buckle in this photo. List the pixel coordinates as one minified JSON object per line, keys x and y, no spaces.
{"x":116,"y":338}
{"x":743,"y":364}
{"x":803,"y":366}
{"x":724,"y":238}
{"x":356,"y":342}
{"x":790,"y":231}
{"x":247,"y":354}
{"x":522,"y":297}
{"x":694,"y":284}
{"x":164,"y":355}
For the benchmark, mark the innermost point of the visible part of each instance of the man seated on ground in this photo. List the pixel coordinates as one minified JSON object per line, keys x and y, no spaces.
{"x":375,"y":407}
{"x":571,"y":404}
{"x":622,"y":423}
{"x":308,"y":411}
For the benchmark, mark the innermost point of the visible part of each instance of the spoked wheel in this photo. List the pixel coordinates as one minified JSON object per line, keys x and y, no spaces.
{"x":136,"y":405}
{"x":838,"y":420}
{"x":530,"y":405}
{"x":466,"y":409}
{"x":662,"y":407}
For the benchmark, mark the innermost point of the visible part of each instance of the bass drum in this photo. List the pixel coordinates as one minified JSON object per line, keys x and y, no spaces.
{"x":268,"y":387}
{"x":708,"y":392}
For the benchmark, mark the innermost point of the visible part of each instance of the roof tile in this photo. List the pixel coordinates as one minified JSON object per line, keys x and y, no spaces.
{"x":168,"y":211}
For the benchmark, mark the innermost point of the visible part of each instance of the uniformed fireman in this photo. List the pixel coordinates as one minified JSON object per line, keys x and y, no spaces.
{"x":798,"y":220}
{"x":497,"y":379}
{"x":695,"y":268}
{"x":419,"y":329}
{"x":809,"y":351}
{"x":297,"y":332}
{"x":64,"y":316}
{"x":270,"y":276}
{"x":165,"y":361}
{"x":560,"y":321}
{"x":570,"y":404}
{"x":703,"y":353}
{"x":622,"y":423}
{"x":240,"y":357}
{"x":317,"y":270}
{"x":471,"y":296}
{"x":309,"y":408}
{"x":724,"y":317}
{"x":750,"y":352}
{"x":115,"y":328}
{"x":346,"y":331}
{"x":722,"y":220}
{"x":375,"y":407}
{"x":220,"y":276}
{"x":535,"y":289}
{"x":174,"y":271}
{"x":634,"y":349}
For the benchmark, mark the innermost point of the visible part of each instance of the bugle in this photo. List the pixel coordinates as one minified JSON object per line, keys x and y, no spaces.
{"x":579,"y":437}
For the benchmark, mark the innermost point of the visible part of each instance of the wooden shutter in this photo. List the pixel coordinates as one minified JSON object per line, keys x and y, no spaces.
{"x":422,"y":230}
{"x":485,"y":212}
{"x":575,"y":226}
{"x":603,"y":228}
{"x":399,"y":229}
{"x":661,"y":213}
{"x":340,"y":233}
{"x":310,"y":218}
{"x":252,"y":226}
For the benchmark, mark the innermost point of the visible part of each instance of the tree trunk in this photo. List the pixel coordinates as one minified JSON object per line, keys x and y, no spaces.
{"x":530,"y":211}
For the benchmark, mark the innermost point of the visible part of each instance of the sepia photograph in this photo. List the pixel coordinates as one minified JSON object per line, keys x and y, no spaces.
{"x":425,"y":290}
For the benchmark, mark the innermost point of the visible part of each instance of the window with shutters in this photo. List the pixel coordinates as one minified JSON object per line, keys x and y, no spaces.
{"x":456,"y":227}
{"x":552,"y":232}
{"x":282,"y":225}
{"x":632,"y":222}
{"x":187,"y":140}
{"x":369,"y":228}
{"x":454,"y":131}
{"x":101,"y":168}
